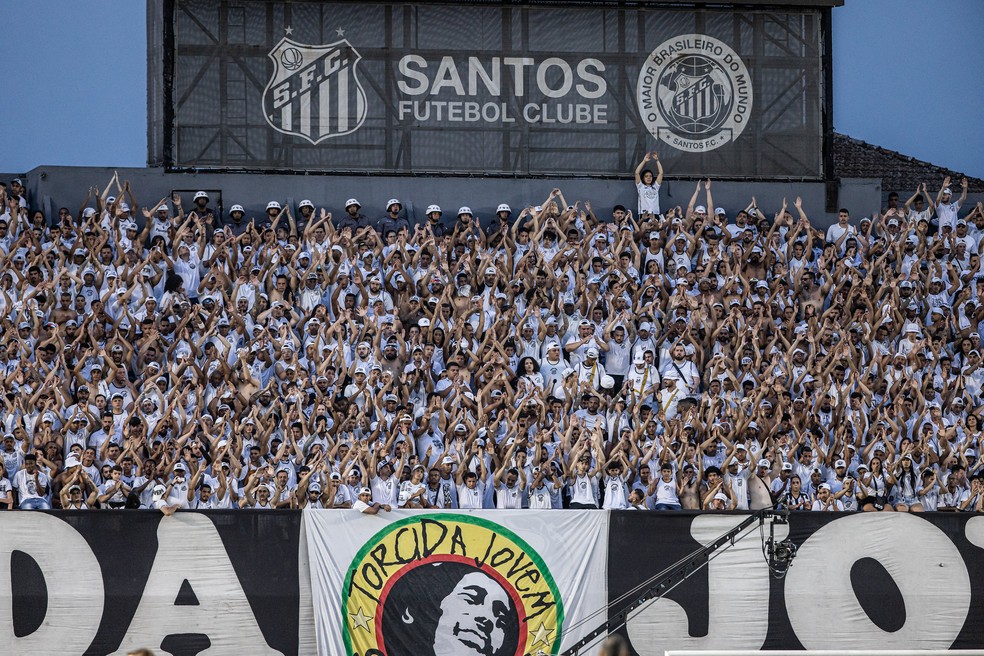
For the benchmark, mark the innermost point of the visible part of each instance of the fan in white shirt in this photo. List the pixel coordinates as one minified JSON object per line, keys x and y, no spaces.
{"x":582,"y":478}
{"x":204,"y":500}
{"x":509,"y":483}
{"x":643,"y":378}
{"x":590,"y":371}
{"x":682,"y":369}
{"x":648,"y":184}
{"x":386,"y":486}
{"x":159,"y":501}
{"x":552,"y":367}
{"x":541,"y":488}
{"x":471,"y":486}
{"x":615,"y":484}
{"x":337,"y":494}
{"x":364,"y":503}
{"x":825,"y":501}
{"x":202,"y":492}
{"x":32,"y":485}
{"x":413,"y":493}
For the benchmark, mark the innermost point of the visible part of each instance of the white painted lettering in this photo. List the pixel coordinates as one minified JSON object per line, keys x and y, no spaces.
{"x":72,"y":577}
{"x":223,"y":613}
{"x":417,"y":76}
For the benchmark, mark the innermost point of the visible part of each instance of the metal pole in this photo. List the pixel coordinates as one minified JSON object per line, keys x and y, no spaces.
{"x":664,"y":581}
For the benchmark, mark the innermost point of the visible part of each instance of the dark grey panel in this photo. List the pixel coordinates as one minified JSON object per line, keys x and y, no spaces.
{"x":539,"y":115}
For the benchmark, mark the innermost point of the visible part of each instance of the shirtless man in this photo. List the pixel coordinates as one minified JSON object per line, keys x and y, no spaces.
{"x":690,"y":488}
{"x":810,"y":293}
{"x":64,"y":312}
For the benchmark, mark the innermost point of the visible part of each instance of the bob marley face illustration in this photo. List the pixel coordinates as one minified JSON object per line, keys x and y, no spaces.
{"x":465,"y":612}
{"x":450,"y":585}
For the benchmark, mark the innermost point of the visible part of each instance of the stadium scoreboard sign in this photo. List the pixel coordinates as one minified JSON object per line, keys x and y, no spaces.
{"x":532,"y":89}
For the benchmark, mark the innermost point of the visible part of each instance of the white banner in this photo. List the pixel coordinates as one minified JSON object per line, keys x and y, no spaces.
{"x":455,"y":583}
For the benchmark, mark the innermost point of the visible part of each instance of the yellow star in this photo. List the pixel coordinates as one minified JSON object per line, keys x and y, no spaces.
{"x":360,"y":619}
{"x":541,"y":635}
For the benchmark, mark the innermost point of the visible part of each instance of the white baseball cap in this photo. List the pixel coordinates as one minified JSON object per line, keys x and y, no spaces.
{"x":700,"y":209}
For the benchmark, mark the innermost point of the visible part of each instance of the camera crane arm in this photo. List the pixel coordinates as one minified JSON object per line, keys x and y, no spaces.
{"x":667,"y":580}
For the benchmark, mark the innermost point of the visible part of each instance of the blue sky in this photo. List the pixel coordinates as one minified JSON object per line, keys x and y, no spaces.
{"x":908,"y":75}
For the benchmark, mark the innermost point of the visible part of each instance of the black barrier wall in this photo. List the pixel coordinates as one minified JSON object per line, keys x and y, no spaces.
{"x":507,"y":88}
{"x":238,"y":582}
{"x":98,"y":582}
{"x":859,"y":581}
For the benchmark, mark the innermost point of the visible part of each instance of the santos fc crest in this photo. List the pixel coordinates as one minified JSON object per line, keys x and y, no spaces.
{"x":694,"y":93}
{"x":450,"y":585}
{"x":315,"y":91}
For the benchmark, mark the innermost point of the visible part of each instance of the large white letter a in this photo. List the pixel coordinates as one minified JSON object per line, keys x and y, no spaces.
{"x":189,"y":548}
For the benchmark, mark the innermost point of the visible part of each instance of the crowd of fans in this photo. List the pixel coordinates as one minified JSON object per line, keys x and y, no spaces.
{"x":557,"y":356}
